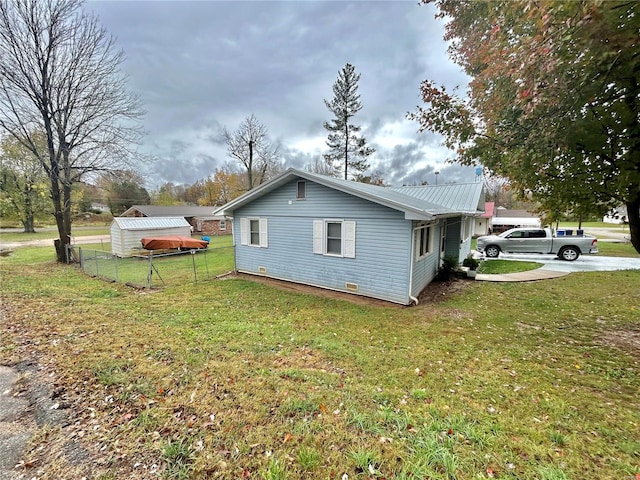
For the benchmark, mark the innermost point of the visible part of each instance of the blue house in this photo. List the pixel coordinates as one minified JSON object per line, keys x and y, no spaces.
{"x":380,"y":242}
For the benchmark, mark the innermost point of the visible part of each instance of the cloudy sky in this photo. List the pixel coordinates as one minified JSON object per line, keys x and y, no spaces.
{"x":200,"y":66}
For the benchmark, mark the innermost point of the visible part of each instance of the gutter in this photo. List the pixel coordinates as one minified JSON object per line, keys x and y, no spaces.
{"x":413,"y":236}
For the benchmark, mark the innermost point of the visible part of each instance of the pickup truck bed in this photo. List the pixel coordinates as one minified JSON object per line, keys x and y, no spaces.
{"x":537,"y":240}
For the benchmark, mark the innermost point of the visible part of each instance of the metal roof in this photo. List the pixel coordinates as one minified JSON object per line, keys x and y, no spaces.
{"x":169,"y":211}
{"x":455,"y":197}
{"x":414,"y":207}
{"x":150,"y":223}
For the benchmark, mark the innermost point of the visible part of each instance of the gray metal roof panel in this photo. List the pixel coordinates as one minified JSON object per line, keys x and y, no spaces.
{"x":456,"y":197}
{"x":150,"y":223}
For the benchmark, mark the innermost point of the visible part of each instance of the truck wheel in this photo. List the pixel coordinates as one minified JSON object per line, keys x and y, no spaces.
{"x":492,"y":251}
{"x":569,"y":254}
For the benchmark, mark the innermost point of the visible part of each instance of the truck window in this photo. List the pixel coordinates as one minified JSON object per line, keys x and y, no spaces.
{"x":537,"y":234}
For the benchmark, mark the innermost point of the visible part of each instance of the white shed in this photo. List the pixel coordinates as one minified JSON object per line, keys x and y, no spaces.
{"x":126,"y":232}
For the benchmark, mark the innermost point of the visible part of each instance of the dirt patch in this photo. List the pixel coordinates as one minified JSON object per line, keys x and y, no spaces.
{"x":435,"y":292}
{"x":627,"y":339}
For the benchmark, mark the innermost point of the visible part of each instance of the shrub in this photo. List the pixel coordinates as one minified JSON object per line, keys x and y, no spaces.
{"x":470,"y":262}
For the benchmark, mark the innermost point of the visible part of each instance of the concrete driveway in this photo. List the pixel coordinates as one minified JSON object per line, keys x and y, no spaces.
{"x":585,"y":263}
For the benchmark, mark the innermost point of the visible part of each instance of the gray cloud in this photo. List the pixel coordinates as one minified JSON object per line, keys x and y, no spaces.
{"x":200,"y":66}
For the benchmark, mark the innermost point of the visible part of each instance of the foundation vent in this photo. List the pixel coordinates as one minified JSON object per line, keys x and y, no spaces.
{"x":262,"y":269}
{"x":352,"y":287}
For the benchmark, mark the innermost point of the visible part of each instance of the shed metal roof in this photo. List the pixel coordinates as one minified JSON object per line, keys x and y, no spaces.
{"x":149,"y":223}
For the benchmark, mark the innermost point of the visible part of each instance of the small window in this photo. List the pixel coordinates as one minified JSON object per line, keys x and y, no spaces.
{"x":423,"y":241}
{"x":302,"y":190}
{"x":223,"y":224}
{"x":254,"y":232}
{"x":334,"y":238}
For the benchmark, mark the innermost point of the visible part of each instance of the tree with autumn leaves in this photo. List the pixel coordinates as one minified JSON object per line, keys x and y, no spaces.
{"x":553,"y":102}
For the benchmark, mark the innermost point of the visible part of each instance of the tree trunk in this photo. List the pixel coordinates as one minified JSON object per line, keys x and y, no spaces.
{"x":250,"y":168}
{"x":28,"y":220}
{"x":633,"y":215}
{"x":27,"y":223}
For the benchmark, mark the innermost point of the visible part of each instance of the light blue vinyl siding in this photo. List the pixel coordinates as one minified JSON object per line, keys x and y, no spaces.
{"x":380,"y":268}
{"x":425,"y":269}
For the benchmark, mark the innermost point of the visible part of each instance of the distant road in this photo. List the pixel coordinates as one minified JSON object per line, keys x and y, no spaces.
{"x":49,"y":241}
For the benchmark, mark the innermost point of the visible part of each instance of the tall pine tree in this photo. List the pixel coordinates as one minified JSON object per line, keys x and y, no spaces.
{"x":348,"y":150}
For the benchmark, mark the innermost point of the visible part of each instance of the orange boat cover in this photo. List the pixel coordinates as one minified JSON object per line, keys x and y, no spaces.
{"x":161,"y":243}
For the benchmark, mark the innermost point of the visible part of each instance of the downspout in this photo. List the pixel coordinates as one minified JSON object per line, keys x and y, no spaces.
{"x":413,"y":237}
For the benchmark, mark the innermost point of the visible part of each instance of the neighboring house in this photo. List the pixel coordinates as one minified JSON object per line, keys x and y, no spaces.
{"x":379,"y":242}
{"x":100,"y":207}
{"x":482,"y":224}
{"x":504,"y":219}
{"x":201,"y":219}
{"x":617,"y":216}
{"x":126,"y":232}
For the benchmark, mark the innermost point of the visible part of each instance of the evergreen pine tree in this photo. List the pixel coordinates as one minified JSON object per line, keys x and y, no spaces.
{"x":348,"y":150}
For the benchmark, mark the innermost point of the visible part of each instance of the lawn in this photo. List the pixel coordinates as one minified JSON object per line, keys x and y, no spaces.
{"x":238,"y":379}
{"x":50,"y":233}
{"x":496,"y":266}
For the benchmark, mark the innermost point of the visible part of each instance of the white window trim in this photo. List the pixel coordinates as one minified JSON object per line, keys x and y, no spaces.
{"x":245,"y":232}
{"x":417,"y":242}
{"x":347,"y":237}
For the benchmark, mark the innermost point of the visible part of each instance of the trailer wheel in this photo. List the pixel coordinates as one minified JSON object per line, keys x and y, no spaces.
{"x":569,"y":253}
{"x":492,"y":251}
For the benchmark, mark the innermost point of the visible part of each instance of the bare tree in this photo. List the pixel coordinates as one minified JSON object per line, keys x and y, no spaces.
{"x":60,"y":74}
{"x":250,"y":145}
{"x":321,"y":166}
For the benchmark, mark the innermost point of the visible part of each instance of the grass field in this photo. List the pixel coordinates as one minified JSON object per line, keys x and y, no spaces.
{"x":237,"y":379}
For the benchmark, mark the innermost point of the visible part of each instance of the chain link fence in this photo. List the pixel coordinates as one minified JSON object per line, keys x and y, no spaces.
{"x":154,"y":269}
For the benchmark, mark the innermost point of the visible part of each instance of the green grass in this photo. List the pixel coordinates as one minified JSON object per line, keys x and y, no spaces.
{"x":496,"y":266}
{"x":230,"y":378}
{"x":47,"y":234}
{"x":617,"y":249}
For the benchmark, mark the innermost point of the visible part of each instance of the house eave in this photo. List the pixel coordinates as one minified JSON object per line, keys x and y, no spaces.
{"x":411,"y":213}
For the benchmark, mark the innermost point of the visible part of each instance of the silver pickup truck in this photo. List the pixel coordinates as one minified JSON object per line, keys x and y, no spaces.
{"x":537,"y":240}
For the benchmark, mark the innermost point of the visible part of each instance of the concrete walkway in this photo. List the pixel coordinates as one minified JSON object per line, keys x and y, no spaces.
{"x":528,"y":276}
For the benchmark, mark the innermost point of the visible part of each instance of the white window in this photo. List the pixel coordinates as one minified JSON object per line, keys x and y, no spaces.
{"x":223,"y":224}
{"x":334,"y":237}
{"x":422,"y":241}
{"x":253,"y":231}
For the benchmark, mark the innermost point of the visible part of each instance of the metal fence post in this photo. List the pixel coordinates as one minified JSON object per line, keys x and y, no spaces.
{"x":115,"y":259}
{"x":193,"y":261}
{"x":81,"y":259}
{"x":150,"y":270}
